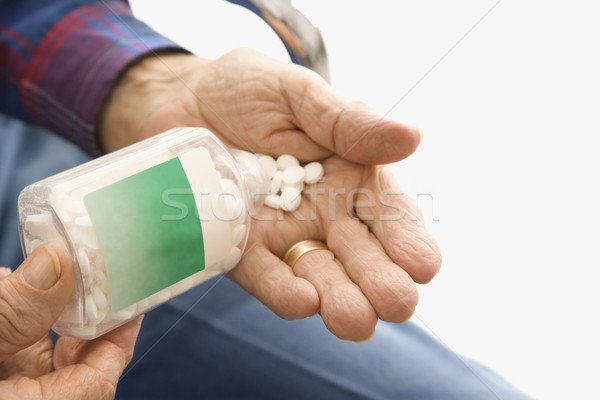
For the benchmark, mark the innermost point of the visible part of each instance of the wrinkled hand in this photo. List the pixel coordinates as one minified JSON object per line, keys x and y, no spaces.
{"x":252,"y":102}
{"x":31,"y":367}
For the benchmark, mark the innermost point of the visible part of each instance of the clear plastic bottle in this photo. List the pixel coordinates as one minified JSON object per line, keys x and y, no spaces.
{"x":144,"y":224}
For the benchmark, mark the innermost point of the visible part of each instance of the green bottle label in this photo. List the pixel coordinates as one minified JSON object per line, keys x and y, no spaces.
{"x":149,"y":229}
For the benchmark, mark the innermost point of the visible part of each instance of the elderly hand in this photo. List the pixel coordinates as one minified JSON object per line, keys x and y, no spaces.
{"x":31,"y":367}
{"x":262,"y":105}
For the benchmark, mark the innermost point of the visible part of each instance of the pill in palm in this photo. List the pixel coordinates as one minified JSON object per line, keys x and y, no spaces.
{"x":268,"y":164}
{"x":273,"y":201}
{"x":276,"y":182}
{"x":299,"y":186}
{"x":290,"y":175}
{"x":313,"y":172}
{"x":290,"y":199}
{"x":285,"y":161}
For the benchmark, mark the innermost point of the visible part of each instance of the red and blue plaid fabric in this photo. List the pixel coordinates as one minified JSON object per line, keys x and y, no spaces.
{"x":59,"y":59}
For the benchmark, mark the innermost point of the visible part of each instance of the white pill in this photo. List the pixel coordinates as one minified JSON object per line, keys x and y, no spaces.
{"x":84,"y":262}
{"x":89,"y":239}
{"x":292,"y":176}
{"x":81,"y":191}
{"x":276,"y":182}
{"x":101,"y":281}
{"x":84,"y":222}
{"x":91,"y":310}
{"x":238,"y":234}
{"x":231,"y":199}
{"x":290,"y":199}
{"x":299,"y":186}
{"x":102,"y":313}
{"x":123,"y":314}
{"x":34,"y":244}
{"x":38,"y":225}
{"x":229,"y":207}
{"x":73,"y":205}
{"x":235,"y":254}
{"x":285,"y":161}
{"x":313,"y":172}
{"x":65,"y":216}
{"x":142,"y":305}
{"x":268,"y":164}
{"x":87,"y":332}
{"x":99,"y":298}
{"x":229,"y":186}
{"x":273,"y":201}
{"x":76,"y":207}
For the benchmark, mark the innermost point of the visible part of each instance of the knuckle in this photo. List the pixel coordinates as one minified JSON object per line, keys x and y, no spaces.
{"x":418,"y":253}
{"x":107,"y":390}
{"x":19,"y":388}
{"x":295,"y":301}
{"x":394,"y":296}
{"x":344,"y":231}
{"x":348,"y":313}
{"x":99,"y":385}
{"x":19,"y":326}
{"x":240,"y":53}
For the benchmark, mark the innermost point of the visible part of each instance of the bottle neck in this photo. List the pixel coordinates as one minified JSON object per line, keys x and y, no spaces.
{"x":253,"y":177}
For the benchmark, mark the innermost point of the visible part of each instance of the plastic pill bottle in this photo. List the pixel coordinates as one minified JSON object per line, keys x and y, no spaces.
{"x":144,"y":224}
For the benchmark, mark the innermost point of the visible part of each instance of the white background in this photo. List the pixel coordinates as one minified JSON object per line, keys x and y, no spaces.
{"x":507,"y":174}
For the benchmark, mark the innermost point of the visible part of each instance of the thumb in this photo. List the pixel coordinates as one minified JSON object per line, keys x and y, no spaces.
{"x":33,"y":297}
{"x":349,"y":128}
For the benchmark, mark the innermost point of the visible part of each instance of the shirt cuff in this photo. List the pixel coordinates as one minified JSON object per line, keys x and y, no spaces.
{"x":77,"y":63}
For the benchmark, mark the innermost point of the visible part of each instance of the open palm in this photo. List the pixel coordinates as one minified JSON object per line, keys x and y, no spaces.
{"x":378,"y":245}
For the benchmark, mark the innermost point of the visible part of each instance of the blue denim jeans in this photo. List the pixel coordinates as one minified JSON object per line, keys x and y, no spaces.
{"x":218,"y":342}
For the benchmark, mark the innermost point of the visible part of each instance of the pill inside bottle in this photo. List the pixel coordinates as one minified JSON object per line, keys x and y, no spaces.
{"x":144,"y":224}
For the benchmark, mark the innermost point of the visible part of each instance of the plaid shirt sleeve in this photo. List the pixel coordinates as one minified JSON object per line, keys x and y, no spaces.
{"x":58,"y":60}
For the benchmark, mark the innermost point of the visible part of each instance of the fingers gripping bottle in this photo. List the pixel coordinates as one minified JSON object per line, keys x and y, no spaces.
{"x":144,"y":224}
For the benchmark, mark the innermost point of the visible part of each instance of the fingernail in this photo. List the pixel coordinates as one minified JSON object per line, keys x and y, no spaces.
{"x":43,"y":270}
{"x":367,"y":339}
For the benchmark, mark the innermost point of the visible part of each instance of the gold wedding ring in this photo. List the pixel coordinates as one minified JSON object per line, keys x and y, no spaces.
{"x":294,"y":253}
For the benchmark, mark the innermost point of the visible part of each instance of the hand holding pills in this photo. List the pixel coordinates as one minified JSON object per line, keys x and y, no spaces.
{"x":261,"y":105}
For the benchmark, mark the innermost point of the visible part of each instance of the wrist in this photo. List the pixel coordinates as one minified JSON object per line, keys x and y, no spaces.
{"x":150,"y":96}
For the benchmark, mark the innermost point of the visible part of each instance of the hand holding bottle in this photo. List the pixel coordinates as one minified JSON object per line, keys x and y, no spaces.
{"x":31,"y":366}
